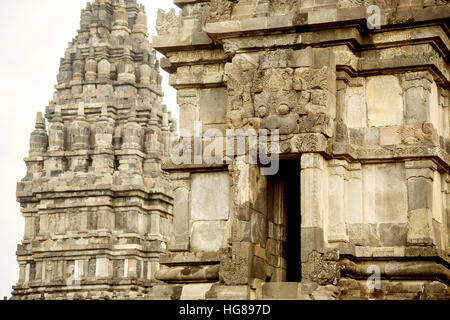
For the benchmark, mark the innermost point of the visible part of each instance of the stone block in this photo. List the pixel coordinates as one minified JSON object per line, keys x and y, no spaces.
{"x":241,"y":230}
{"x":356,"y":136}
{"x":165,"y":292}
{"x":258,"y":228}
{"x":355,"y":107}
{"x":417,"y":105}
{"x":260,"y":252}
{"x":213,"y":105}
{"x":189,"y":113}
{"x":319,"y":270}
{"x":363,"y":234}
{"x":229,"y":293}
{"x":181,"y":216}
{"x":383,"y":252}
{"x":328,"y":292}
{"x":301,"y":58}
{"x":235,"y":263}
{"x":336,"y":198}
{"x":195,"y":291}
{"x":436,"y":290}
{"x":384,"y":98}
{"x":391,"y":193}
{"x":385,"y":191}
{"x":200,"y":39}
{"x":420,"y":193}
{"x":190,"y":257}
{"x":392,"y":234}
{"x":103,"y":268}
{"x":324,"y":57}
{"x":207,"y":235}
{"x":371,"y":136}
{"x":286,"y":20}
{"x":258,"y":268}
{"x":311,"y":239}
{"x":390,"y":135}
{"x":437,"y":232}
{"x":258,"y":190}
{"x":210,"y":196}
{"x":281,"y":291}
{"x":253,"y":24}
{"x":420,"y":229}
{"x":437,"y":197}
{"x":323,"y":15}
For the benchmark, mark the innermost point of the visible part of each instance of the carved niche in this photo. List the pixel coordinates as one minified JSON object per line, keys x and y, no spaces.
{"x":271,"y":91}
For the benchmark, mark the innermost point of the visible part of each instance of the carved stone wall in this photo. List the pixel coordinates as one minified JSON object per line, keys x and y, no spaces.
{"x":362,"y":112}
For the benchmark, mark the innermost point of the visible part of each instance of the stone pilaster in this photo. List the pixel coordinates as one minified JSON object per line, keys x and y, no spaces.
{"x":189,"y":110}
{"x":417,"y":86}
{"x":446,"y":224}
{"x":103,"y":157}
{"x":314,"y":204}
{"x":337,"y":180}
{"x":181,"y":212}
{"x":420,"y":175}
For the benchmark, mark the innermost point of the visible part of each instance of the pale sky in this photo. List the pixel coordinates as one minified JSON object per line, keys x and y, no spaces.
{"x":33,"y":37}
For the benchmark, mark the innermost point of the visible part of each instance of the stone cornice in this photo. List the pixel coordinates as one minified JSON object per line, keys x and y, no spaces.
{"x":371,"y":154}
{"x":326,"y":18}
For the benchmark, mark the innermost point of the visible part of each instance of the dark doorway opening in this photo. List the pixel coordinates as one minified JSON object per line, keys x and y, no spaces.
{"x":285,"y":211}
{"x":290,"y":171}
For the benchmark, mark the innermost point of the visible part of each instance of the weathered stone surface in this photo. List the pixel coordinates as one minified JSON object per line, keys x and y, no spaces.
{"x":275,"y":86}
{"x":180,"y":218}
{"x":174,"y":274}
{"x":319,"y":270}
{"x":235,"y":263}
{"x":207,"y":235}
{"x":385,"y":193}
{"x":213,"y":104}
{"x":362,"y":113}
{"x":420,"y":229}
{"x":210,"y":196}
{"x":356,"y":107}
{"x":281,"y":291}
{"x":311,"y":239}
{"x":229,"y":293}
{"x":384,"y":98}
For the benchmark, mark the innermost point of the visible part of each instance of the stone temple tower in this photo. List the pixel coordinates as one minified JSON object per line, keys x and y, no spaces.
{"x":95,"y":200}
